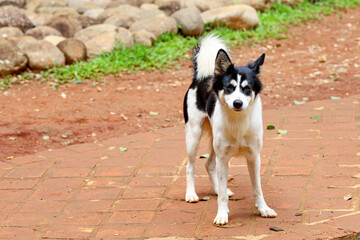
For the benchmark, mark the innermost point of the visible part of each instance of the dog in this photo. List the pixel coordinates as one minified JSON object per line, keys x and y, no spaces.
{"x":223,"y":101}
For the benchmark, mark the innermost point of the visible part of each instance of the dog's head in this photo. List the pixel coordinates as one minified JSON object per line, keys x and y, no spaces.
{"x":237,"y":86}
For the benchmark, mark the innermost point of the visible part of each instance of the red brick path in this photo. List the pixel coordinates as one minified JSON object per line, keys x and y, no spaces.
{"x":94,"y":191}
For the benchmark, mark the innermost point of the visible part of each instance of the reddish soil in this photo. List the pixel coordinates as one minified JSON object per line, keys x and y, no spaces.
{"x":317,"y":61}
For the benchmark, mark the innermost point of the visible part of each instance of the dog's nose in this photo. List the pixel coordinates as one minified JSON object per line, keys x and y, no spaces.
{"x":237,"y":104}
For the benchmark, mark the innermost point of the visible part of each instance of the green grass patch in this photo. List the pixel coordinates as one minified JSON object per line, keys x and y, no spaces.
{"x":170,"y":48}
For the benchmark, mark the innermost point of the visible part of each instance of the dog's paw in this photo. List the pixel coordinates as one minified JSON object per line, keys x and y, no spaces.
{"x":192,"y":198}
{"x":221,"y":219}
{"x":229,"y":192}
{"x":267,"y":212}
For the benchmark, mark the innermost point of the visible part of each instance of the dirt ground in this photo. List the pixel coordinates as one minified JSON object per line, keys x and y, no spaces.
{"x":319,"y":60}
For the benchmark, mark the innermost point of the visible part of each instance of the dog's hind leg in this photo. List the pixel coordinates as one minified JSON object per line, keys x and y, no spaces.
{"x":253,"y":163}
{"x":193,"y":135}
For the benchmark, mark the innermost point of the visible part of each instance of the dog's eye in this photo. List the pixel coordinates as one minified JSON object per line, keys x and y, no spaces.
{"x":230,"y":88}
{"x":247,"y":90}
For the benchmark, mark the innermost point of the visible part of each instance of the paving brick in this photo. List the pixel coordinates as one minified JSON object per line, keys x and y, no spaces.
{"x":144,"y":192}
{"x":171,"y":230}
{"x":8,"y":206}
{"x":17,"y":183}
{"x":13,"y":195}
{"x":19,"y":233}
{"x":98,"y":194}
{"x":132,"y":217}
{"x":68,"y":172}
{"x":28,"y":219}
{"x":114,"y":171}
{"x":315,"y":216}
{"x":135,"y":204}
{"x":43,"y":206}
{"x":288,"y":181}
{"x":26,"y":173}
{"x":157,"y":171}
{"x":89,"y":206}
{"x":68,"y":232}
{"x":151,"y":181}
{"x":109,"y":182}
{"x":121,"y":231}
{"x":79,"y":219}
{"x":211,"y":231}
{"x":177,"y":216}
{"x":292,"y":171}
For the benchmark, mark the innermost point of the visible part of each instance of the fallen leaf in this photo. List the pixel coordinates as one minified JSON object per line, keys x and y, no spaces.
{"x":123,"y":149}
{"x":270,"y":127}
{"x":205,"y":155}
{"x":347,"y":197}
{"x":322,"y":58}
{"x":305,"y":98}
{"x":46,"y":137}
{"x":315,"y":117}
{"x":206,"y":198}
{"x":335,"y":98}
{"x":124,"y":117}
{"x":282,"y":132}
{"x":298,"y":214}
{"x":298,"y":102}
{"x":79,"y":81}
{"x":276,"y":229}
{"x":154,"y":113}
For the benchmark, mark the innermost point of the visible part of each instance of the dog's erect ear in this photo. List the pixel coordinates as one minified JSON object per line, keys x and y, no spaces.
{"x":222,"y":62}
{"x":256,"y":66}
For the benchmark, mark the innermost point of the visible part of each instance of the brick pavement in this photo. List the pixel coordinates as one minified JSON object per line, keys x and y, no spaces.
{"x":96,"y":191}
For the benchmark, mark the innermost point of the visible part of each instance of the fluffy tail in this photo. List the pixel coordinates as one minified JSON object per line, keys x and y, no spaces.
{"x":204,"y":56}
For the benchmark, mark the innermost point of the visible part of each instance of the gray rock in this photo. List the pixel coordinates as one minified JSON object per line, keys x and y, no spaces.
{"x":42,"y":31}
{"x":120,"y":10}
{"x":101,"y":3}
{"x":87,"y":21}
{"x":6,"y":32}
{"x":66,"y":11}
{"x":145,"y":14}
{"x":15,"y":3}
{"x":107,"y":41}
{"x":94,"y":13}
{"x":11,"y":59}
{"x":149,"y":6}
{"x":236,"y":17}
{"x":169,"y":7}
{"x":190,"y":21}
{"x":14,"y":17}
{"x":38,"y":19}
{"x":144,"y":37}
{"x":54,"y":40}
{"x":120,"y":20}
{"x":41,"y":54}
{"x":83,"y":7}
{"x":45,"y":6}
{"x":66,"y":24}
{"x":88,"y":33}
{"x":116,"y":3}
{"x":73,"y":49}
{"x":157,"y":25}
{"x":260,"y":5}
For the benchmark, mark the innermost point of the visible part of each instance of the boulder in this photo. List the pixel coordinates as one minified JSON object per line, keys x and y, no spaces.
{"x":14,"y":17}
{"x":94,"y":13}
{"x":42,"y":31}
{"x":66,"y":24}
{"x":144,"y":37}
{"x":145,"y":14}
{"x":88,"y":33}
{"x":15,"y":3}
{"x":41,"y":54}
{"x":6,"y":32}
{"x":120,"y":20}
{"x":83,"y":7}
{"x":11,"y":59}
{"x":54,"y":40}
{"x":260,"y":5}
{"x":120,"y":10}
{"x":38,"y":19}
{"x":107,"y":41}
{"x":87,"y":21}
{"x":202,"y":5}
{"x":157,"y":25}
{"x":237,"y":17}
{"x":73,"y":50}
{"x":190,"y":21}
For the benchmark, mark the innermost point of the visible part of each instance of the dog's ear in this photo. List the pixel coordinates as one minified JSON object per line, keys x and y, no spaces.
{"x":256,"y":66}
{"x":222,"y":62}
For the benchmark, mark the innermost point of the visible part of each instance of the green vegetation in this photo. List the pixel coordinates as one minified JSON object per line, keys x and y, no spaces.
{"x":170,"y":48}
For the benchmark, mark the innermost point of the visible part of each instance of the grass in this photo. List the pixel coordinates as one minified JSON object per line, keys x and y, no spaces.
{"x":170,"y":48}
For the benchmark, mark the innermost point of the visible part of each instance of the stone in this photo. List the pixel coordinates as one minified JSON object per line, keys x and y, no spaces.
{"x":83,"y":7}
{"x":66,"y":11}
{"x":54,"y":40}
{"x":157,"y":25}
{"x":12,"y":60}
{"x":101,"y":3}
{"x":116,"y":3}
{"x":190,"y":21}
{"x":66,"y":24}
{"x":260,"y":5}
{"x":45,"y":6}
{"x":73,"y":50}
{"x":201,"y":5}
{"x":6,"y":32}
{"x":15,"y":3}
{"x":94,"y":13}
{"x":145,"y":14}
{"x":14,"y":17}
{"x":144,"y":37}
{"x":88,"y":33}
{"x":169,"y":7}
{"x":120,"y":20}
{"x":42,"y":31}
{"x":237,"y":17}
{"x":87,"y":21}
{"x":107,"y":41}
{"x":149,"y":6}
{"x":38,"y":19}
{"x":120,"y":10}
{"x":41,"y":54}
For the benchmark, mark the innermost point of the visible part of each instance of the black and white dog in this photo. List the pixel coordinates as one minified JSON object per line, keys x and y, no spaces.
{"x":223,"y":100}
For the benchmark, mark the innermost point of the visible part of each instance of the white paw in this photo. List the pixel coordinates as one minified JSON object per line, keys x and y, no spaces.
{"x":229,"y":192}
{"x":267,"y":212}
{"x":192,"y":197}
{"x":221,"y":219}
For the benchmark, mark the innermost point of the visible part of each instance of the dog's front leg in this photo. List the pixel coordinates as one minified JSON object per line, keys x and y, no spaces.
{"x":254,"y":163}
{"x":222,"y":169}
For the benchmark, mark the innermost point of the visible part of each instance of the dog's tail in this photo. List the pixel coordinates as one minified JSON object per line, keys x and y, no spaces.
{"x":204,"y":56}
